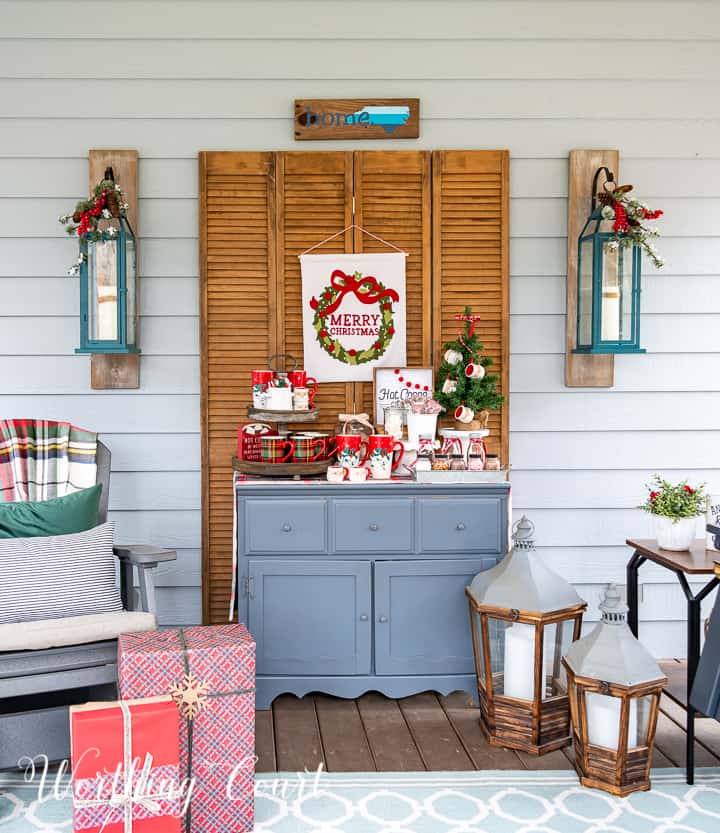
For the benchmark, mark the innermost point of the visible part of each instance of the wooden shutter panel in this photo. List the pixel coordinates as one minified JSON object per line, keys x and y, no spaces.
{"x":314,"y":198}
{"x":392,"y":200}
{"x":238,"y":289}
{"x":470,"y":216}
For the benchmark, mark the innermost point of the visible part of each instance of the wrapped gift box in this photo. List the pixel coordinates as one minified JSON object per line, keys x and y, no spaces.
{"x":126,"y":767}
{"x":210,"y":671}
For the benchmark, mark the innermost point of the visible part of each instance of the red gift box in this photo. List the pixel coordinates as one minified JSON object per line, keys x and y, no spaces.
{"x":210,"y":672}
{"x":126,"y":767}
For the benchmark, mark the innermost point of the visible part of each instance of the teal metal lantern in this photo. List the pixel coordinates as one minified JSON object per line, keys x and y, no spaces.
{"x":108,"y":289}
{"x":608,"y":297}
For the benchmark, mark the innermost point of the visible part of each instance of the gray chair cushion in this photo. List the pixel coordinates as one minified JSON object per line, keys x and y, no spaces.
{"x":74,"y":630}
{"x":51,"y":577}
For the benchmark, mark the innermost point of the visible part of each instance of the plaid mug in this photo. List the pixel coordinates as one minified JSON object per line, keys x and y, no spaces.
{"x":277,"y":449}
{"x":308,"y":449}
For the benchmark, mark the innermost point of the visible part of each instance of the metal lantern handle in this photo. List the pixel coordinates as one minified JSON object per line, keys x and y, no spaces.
{"x":288,"y":357}
{"x":609,"y":177}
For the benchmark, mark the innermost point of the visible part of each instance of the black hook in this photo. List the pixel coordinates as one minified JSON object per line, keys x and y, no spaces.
{"x":109,"y":174}
{"x":609,"y":177}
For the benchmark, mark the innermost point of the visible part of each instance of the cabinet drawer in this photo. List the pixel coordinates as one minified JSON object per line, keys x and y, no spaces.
{"x":462,"y":525}
{"x":282,"y":526}
{"x":373,"y":525}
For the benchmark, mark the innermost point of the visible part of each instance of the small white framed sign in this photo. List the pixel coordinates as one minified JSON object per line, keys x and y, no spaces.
{"x":393,"y":385}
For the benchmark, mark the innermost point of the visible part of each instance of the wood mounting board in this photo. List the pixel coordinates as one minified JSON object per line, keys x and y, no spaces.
{"x":583,"y":370}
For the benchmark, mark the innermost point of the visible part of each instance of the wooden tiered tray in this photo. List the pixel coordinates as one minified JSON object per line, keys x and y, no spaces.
{"x":280,"y":469}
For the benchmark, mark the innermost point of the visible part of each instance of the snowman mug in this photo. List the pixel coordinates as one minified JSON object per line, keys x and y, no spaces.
{"x":383,"y":457}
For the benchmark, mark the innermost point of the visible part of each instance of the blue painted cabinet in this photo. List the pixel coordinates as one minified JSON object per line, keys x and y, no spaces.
{"x":355,"y":587}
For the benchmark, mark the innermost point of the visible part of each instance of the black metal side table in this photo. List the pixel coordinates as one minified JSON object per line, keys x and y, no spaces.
{"x":697,"y":561}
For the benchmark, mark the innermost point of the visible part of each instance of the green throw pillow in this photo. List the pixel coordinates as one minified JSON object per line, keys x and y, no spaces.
{"x":75,"y":512}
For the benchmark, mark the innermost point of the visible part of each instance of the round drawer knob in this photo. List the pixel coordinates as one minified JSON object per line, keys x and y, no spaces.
{"x":363,"y":617}
{"x":373,"y":527}
{"x":287,"y":527}
{"x":382,"y":619}
{"x":460,"y":526}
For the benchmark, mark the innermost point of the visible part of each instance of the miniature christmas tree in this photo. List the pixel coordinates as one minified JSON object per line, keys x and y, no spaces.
{"x":462,"y":381}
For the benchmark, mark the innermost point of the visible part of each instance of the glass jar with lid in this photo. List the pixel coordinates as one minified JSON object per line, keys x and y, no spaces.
{"x":441,"y":462}
{"x":492,"y":462}
{"x":394,"y":419}
{"x":457,"y":463}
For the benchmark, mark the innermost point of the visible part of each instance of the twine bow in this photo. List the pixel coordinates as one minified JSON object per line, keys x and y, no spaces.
{"x":363,"y":419}
{"x":366,"y":290}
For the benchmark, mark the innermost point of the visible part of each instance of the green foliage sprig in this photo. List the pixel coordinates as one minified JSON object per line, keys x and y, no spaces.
{"x":674,"y":501}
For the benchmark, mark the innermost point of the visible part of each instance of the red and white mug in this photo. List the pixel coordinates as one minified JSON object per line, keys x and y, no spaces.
{"x":474,"y":370}
{"x":300,"y":379}
{"x":384,"y":455}
{"x":351,"y":449}
{"x":261,"y":380}
{"x":464,"y":414}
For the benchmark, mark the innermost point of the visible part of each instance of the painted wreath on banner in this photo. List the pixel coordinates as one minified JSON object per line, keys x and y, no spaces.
{"x":367,"y":290}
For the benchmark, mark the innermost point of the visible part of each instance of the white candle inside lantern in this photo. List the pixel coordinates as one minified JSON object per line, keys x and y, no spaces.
{"x":611,"y":314}
{"x":519,"y":669}
{"x":603,"y":720}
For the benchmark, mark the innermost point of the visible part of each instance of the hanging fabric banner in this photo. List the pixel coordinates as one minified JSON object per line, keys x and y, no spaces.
{"x":353,"y":314}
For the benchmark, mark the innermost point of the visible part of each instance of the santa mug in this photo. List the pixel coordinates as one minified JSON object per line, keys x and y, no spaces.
{"x":336,"y":474}
{"x":384,"y":455}
{"x":300,"y":379}
{"x":351,"y":449}
{"x":464,"y":414}
{"x":474,"y":371}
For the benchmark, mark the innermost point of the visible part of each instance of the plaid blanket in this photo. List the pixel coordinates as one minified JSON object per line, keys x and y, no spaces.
{"x":40,"y":460}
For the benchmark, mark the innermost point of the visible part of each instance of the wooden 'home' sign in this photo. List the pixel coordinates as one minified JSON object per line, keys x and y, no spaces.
{"x":357,"y":118}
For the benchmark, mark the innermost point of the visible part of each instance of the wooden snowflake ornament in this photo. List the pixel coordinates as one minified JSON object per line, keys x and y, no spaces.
{"x":191,"y":696}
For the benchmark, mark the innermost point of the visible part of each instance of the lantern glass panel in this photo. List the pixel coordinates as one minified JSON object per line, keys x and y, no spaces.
{"x":130,"y":272}
{"x":585,"y":294}
{"x":557,"y":638}
{"x":478,"y":645}
{"x":643,"y":707}
{"x":603,"y":720}
{"x":103,"y":290}
{"x":512,"y":653}
{"x":616,"y":293}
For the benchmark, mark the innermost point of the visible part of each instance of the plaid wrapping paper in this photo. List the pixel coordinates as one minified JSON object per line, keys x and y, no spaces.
{"x":126,"y":767}
{"x":216,"y":666}
{"x":40,"y":460}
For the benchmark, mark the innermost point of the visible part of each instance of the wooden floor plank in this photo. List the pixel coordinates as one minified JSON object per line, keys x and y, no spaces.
{"x":297,"y":737}
{"x":438,"y":744}
{"x":670,"y":740}
{"x":676,"y":672}
{"x":464,"y":716}
{"x":707,"y":730}
{"x":343,"y":735}
{"x":264,"y":742}
{"x":391,"y":744}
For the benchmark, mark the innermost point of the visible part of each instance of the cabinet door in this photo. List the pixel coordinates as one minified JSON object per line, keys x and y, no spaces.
{"x":422,"y":624}
{"x":310,"y":617}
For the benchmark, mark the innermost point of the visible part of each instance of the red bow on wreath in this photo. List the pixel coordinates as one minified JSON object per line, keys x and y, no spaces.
{"x":366,"y":290}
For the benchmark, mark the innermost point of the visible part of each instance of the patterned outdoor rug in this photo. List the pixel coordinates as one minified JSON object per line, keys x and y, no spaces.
{"x":438,"y":802}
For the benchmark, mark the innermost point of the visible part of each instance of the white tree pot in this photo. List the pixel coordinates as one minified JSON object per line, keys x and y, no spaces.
{"x":418,"y":424}
{"x":678,"y":535}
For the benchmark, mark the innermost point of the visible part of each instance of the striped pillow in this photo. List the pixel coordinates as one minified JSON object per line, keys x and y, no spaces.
{"x":50,"y":577}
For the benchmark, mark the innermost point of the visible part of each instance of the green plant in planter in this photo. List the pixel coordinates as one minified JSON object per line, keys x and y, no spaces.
{"x":674,"y":501}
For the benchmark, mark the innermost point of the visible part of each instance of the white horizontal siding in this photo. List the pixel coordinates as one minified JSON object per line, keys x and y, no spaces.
{"x":539,"y":78}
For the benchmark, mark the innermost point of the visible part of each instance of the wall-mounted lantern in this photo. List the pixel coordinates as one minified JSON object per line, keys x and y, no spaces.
{"x":609,"y":273}
{"x":614,"y":686}
{"x":523,"y":617}
{"x":108,"y":279}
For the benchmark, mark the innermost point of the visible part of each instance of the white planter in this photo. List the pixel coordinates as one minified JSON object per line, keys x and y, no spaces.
{"x":677,"y":535}
{"x":418,"y":424}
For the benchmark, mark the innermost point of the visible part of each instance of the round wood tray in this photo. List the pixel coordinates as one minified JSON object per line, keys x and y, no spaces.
{"x":282,"y":416}
{"x":280,"y":469}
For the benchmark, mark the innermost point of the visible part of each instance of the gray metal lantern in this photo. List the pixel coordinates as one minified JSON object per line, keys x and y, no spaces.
{"x":608,"y":291}
{"x":614,"y":686}
{"x":523,"y":617}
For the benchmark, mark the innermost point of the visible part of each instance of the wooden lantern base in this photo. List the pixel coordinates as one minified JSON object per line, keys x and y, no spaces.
{"x":602,"y":772}
{"x":512,"y":724}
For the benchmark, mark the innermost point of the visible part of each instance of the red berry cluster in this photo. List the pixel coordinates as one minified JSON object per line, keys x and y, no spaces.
{"x":653,"y":495}
{"x":621,"y":220}
{"x":85,"y":224}
{"x":689,"y":489}
{"x":651,"y":215}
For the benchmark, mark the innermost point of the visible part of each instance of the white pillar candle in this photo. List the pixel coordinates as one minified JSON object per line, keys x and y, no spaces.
{"x":611,"y":314}
{"x":519,"y":671}
{"x":603,"y":721}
